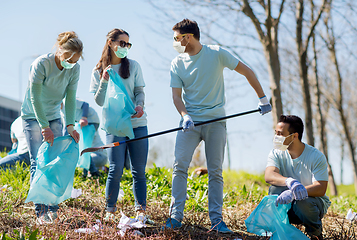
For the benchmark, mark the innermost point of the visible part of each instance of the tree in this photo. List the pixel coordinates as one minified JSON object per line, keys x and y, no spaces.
{"x":320,"y":117}
{"x":346,"y":119}
{"x":269,"y":40}
{"x":302,"y":49}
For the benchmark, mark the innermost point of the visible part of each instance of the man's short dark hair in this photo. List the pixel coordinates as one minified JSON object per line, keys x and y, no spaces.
{"x":188,"y":26}
{"x":295,"y":124}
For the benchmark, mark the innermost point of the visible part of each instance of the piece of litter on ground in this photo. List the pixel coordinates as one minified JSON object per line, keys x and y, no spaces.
{"x":126,"y":223}
{"x":84,"y":230}
{"x":94,"y":228}
{"x":351,"y":215}
{"x":76,"y":193}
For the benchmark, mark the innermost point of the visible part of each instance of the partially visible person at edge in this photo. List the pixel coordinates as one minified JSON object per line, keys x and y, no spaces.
{"x":86,"y":115}
{"x":198,"y":94}
{"x":298,"y":173}
{"x":115,"y":56}
{"x":18,"y":138}
{"x":53,"y":77}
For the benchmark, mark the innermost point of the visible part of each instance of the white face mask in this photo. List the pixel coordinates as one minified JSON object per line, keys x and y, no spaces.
{"x":177,"y":46}
{"x":278,"y":142}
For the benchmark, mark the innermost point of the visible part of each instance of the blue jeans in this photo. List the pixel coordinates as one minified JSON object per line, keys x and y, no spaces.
{"x":11,"y":160}
{"x":214,"y":135}
{"x":138,"y":151}
{"x":308,"y":212}
{"x":34,"y":140}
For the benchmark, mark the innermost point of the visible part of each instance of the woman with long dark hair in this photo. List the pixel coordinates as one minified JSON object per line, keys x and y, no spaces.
{"x":114,"y":56}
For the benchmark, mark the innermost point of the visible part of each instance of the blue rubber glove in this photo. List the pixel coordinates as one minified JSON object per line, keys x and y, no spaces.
{"x":285,"y":197}
{"x":264,"y":105}
{"x":299,"y":191}
{"x":187,"y":123}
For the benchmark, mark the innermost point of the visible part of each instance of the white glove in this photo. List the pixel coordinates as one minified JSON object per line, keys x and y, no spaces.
{"x":187,"y":123}
{"x":264,"y":105}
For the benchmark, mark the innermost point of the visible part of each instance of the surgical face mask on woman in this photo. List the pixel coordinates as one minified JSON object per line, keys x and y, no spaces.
{"x":278,"y":142}
{"x":121,"y":52}
{"x":66,"y":64}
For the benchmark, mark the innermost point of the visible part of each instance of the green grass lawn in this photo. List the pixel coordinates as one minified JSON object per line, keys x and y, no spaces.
{"x":242,"y":193}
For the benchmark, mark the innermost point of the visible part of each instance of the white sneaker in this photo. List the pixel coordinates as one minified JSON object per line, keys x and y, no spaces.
{"x":44,"y":219}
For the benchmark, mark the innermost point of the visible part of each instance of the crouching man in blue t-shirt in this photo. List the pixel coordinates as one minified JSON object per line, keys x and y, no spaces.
{"x":298,"y":174}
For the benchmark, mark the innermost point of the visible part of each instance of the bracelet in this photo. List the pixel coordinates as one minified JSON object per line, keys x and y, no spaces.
{"x":70,"y":125}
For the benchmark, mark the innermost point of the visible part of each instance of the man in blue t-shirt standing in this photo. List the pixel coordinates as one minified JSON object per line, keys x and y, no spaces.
{"x":298,"y":174}
{"x":198,"y":71}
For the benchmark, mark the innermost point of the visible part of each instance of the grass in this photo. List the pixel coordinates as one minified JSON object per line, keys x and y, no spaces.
{"x":242,"y":193}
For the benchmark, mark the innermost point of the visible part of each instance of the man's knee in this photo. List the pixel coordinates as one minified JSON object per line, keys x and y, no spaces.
{"x":308,"y":207}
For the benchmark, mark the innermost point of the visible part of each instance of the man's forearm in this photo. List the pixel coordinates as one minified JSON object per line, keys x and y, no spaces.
{"x":274,"y":178}
{"x":180,"y":106}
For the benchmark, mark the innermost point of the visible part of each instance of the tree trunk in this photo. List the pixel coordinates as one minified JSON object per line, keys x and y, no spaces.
{"x":342,"y":157}
{"x":272,"y":58}
{"x":320,"y":119}
{"x":346,"y":129}
{"x":269,"y":40}
{"x":303,"y":70}
{"x":304,"y":81}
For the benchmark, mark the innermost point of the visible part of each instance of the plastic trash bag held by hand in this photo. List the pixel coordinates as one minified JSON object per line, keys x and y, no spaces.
{"x":267,"y":219}
{"x":187,"y":123}
{"x":264,"y":105}
{"x":53,"y":180}
{"x":285,"y":197}
{"x":118,"y":108}
{"x":87,"y":135}
{"x":299,"y":191}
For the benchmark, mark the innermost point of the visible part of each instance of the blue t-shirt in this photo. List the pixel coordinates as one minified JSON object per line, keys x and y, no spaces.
{"x":55,"y":84}
{"x":92,"y":114}
{"x":201,"y":78}
{"x":309,"y":167}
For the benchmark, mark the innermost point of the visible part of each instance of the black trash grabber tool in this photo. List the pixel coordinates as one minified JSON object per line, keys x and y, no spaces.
{"x":93,"y":149}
